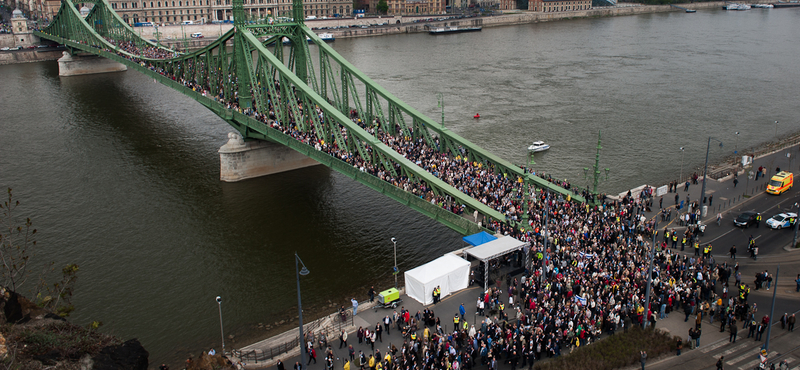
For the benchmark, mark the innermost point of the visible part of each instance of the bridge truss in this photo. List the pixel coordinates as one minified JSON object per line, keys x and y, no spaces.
{"x":328,"y":110}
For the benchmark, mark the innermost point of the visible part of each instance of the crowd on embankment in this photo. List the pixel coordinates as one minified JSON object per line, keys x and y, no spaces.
{"x":590,"y":277}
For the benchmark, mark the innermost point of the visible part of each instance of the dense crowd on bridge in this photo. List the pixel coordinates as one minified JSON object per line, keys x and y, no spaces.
{"x":589,"y":279}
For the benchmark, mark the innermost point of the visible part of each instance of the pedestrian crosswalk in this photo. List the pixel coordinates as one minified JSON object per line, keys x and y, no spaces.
{"x":743,"y":355}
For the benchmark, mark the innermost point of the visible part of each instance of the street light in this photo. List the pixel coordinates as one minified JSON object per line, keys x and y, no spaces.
{"x":796,"y":224}
{"x":705,"y":177}
{"x":304,"y":272}
{"x":394,"y":242}
{"x":441,"y":105}
{"x":736,"y":145}
{"x":221,"y":332}
{"x":772,"y":309}
{"x":650,"y":272}
{"x":776,"y":129}
{"x":682,"y":151}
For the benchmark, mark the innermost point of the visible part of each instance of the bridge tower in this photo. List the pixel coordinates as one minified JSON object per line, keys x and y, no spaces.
{"x":242,"y":55}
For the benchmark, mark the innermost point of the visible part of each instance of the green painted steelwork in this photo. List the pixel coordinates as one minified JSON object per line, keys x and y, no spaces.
{"x":238,"y":76}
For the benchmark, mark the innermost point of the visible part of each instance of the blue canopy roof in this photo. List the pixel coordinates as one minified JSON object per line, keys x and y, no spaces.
{"x":479,"y":238}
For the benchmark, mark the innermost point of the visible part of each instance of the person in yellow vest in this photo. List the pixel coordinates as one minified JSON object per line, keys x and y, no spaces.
{"x":705,"y":251}
{"x":388,"y":358}
{"x":455,"y":322}
{"x":426,"y":334}
{"x":683,"y":243}
{"x":378,"y":365}
{"x":347,"y":365}
{"x":465,"y":325}
{"x":674,"y":240}
{"x":413,"y":336}
{"x":666,"y":236}
{"x":371,"y":362}
{"x":697,"y":248}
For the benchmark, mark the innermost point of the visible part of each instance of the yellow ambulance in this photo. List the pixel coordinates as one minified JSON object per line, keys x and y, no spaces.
{"x":780,"y":183}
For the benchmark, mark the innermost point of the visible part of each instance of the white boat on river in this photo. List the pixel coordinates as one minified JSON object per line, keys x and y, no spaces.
{"x":538,"y":146}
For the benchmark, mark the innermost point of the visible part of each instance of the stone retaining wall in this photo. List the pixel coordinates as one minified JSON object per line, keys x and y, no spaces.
{"x":28,"y":56}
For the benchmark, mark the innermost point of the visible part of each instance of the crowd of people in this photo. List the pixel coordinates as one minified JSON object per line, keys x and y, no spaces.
{"x":586,"y":274}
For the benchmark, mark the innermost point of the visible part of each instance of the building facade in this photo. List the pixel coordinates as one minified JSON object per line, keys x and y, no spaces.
{"x":550,"y":6}
{"x":202,"y":11}
{"x":411,"y":7}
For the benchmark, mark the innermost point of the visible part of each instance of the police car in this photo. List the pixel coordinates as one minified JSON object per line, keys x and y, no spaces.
{"x":782,"y":220}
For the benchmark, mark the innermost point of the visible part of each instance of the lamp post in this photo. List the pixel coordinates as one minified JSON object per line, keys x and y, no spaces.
{"x":596,"y":168}
{"x":772,"y":309}
{"x":525,"y":173}
{"x":736,"y":145}
{"x":682,"y":152}
{"x":441,"y":105}
{"x":304,"y":271}
{"x":796,"y":224}
{"x":394,"y":242}
{"x":545,"y":234}
{"x":650,"y":273}
{"x":776,"y":129}
{"x":705,"y":176}
{"x":221,"y":332}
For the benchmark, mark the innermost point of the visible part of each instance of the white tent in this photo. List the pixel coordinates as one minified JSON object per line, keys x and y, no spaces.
{"x":449,"y":272}
{"x":494,"y":249}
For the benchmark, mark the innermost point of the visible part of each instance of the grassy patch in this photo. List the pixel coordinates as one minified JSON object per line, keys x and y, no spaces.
{"x":615,"y":351}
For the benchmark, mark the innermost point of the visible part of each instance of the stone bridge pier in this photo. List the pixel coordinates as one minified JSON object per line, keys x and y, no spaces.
{"x":77,"y":65}
{"x":240,"y":160}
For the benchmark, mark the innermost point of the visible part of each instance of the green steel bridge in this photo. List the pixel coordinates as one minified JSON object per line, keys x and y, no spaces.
{"x":328,"y":110}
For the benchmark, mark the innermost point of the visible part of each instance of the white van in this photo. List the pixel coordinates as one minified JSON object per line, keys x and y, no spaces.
{"x":187,"y":22}
{"x":311,"y":17}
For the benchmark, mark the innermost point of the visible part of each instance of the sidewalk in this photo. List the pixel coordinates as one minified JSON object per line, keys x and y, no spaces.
{"x":725,"y":196}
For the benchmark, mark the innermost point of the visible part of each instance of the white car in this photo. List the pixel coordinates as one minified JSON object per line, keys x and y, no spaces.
{"x":782,"y":220}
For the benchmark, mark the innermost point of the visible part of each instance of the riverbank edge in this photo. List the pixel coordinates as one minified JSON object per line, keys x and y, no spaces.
{"x":521,"y":17}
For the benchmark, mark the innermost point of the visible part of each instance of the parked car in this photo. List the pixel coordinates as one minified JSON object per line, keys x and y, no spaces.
{"x":197,"y":35}
{"x":782,"y":220}
{"x":746,"y":219}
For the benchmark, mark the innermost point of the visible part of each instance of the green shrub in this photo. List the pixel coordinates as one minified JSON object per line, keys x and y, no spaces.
{"x":614,"y":351}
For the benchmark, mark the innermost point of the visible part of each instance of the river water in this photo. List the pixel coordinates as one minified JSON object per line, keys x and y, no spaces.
{"x":121,"y":175}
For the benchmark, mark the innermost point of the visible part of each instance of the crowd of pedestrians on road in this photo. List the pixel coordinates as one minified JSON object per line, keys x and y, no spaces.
{"x":589,"y":269}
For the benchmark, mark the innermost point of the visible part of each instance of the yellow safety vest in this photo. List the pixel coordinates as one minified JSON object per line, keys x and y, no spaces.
{"x":413,"y":336}
{"x":696,"y":245}
{"x":675,"y":237}
{"x":455,"y":320}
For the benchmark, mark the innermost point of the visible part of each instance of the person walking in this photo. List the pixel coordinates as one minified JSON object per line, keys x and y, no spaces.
{"x":387,"y":324}
{"x":343,"y":339}
{"x":734,"y":331}
{"x":371,"y":294}
{"x":733,"y":252}
{"x":790,"y":322}
{"x":355,"y":306}
{"x":643,"y":358}
{"x":679,"y":346}
{"x":719,"y":362}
